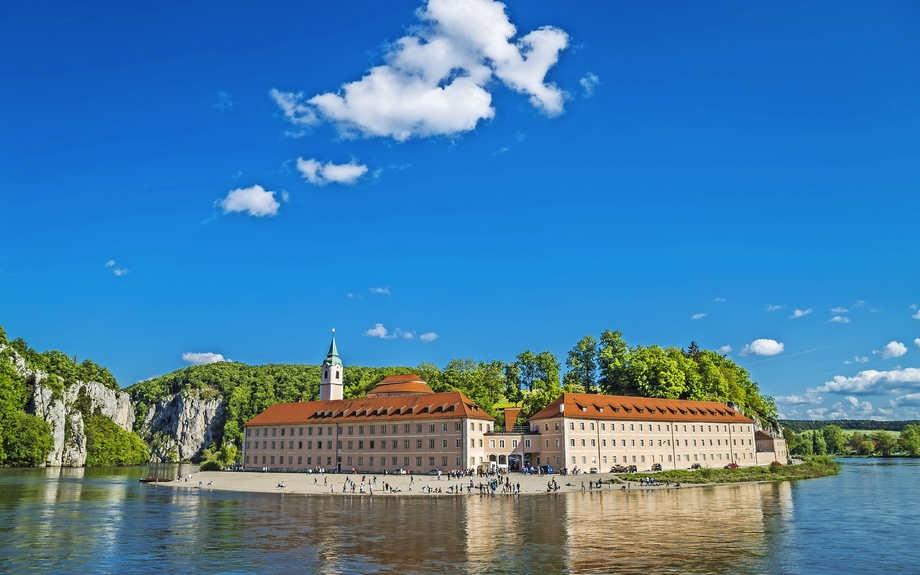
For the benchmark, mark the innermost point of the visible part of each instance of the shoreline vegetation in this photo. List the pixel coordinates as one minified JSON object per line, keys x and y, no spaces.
{"x":430,"y":485}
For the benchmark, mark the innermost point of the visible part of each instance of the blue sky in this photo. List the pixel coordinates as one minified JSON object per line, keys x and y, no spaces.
{"x":214,"y":178}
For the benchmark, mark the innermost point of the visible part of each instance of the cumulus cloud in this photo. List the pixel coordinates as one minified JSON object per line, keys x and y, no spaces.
{"x":910,"y":399}
{"x":916,"y":315}
{"x":255,"y":200}
{"x":774,"y":307}
{"x":872,"y":381}
{"x":589,"y":82}
{"x":320,"y":174}
{"x":917,"y":342}
{"x":839,"y":310}
{"x":763,"y":347}
{"x":379,"y":331}
{"x":839,"y":319}
{"x":117,"y":270}
{"x":800,"y":313}
{"x":893,"y":349}
{"x":857,"y":359}
{"x":435,"y":81}
{"x":698,"y":316}
{"x":810,"y":397}
{"x":381,"y":290}
{"x":428,"y":337}
{"x":724,"y":349}
{"x":202,"y":358}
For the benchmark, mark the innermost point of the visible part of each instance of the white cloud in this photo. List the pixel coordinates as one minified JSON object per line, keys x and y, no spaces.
{"x":320,"y":174}
{"x":917,"y":342}
{"x":839,"y":319}
{"x":698,"y":316}
{"x":839,"y":310}
{"x":202,"y":358}
{"x":874,"y":382}
{"x":381,"y":290}
{"x":724,"y":349}
{"x":406,"y":334}
{"x":857,"y":359}
{"x":721,"y":299}
{"x":379,"y":331}
{"x":224,"y":101}
{"x":589,"y":83}
{"x":810,"y":397}
{"x":117,"y":270}
{"x":910,"y":399}
{"x":763,"y":347}
{"x":774,"y":307}
{"x":256,"y":201}
{"x":800,"y":313}
{"x":916,"y":315}
{"x":428,"y":337}
{"x":893,"y":349}
{"x":285,"y":197}
{"x":434,"y":80}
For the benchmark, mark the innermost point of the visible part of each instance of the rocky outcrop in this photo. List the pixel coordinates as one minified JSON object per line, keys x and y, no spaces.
{"x":179,"y":427}
{"x":65,"y":416}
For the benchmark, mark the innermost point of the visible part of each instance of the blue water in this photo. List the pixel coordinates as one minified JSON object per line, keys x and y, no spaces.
{"x":102,"y":521}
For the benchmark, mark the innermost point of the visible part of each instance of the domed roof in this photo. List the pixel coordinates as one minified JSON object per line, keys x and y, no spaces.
{"x":406,"y":384}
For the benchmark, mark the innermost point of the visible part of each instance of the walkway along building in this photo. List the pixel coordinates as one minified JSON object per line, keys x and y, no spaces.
{"x":403,"y":424}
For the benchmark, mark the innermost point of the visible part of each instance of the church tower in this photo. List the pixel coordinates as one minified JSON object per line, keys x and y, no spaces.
{"x":330,"y":386}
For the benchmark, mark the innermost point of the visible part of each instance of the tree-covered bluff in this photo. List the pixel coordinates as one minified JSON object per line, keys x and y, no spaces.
{"x":57,"y":410}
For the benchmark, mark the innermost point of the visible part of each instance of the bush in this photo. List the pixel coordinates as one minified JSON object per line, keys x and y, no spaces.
{"x":108,"y":444}
{"x":210,"y":465}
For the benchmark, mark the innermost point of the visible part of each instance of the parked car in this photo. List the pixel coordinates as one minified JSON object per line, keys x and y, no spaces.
{"x":696,"y":466}
{"x":732,"y":465}
{"x":656,"y":467}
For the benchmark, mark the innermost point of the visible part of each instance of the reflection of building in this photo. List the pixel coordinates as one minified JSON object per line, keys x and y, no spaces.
{"x":402,"y":423}
{"x":770,"y":448}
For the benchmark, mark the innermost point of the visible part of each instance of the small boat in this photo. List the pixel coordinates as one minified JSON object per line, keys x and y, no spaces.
{"x":154,"y":480}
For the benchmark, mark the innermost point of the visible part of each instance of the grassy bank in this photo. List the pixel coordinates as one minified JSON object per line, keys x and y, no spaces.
{"x":821,"y":466}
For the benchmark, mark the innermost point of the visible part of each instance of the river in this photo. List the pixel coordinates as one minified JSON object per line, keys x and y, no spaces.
{"x":864,"y":520}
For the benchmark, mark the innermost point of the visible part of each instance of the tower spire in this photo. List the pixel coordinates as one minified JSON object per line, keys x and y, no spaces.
{"x":331,"y":384}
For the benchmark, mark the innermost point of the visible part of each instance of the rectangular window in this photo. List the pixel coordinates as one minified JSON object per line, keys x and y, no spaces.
{"x":431,"y":444}
{"x":593,"y":444}
{"x":361,"y":445}
{"x":290,"y":444}
{"x":396,"y":444}
{"x":431,"y":461}
{"x":372,"y":444}
{"x":273,"y":460}
{"x":472,"y":426}
{"x":273,"y":444}
{"x":472,"y":443}
{"x":351,"y":445}
{"x":457,"y":462}
{"x":282,"y":435}
{"x":514,"y":442}
{"x":300,"y":432}
{"x":309,"y":460}
{"x":360,"y":461}
{"x":527,"y":443}
{"x":444,"y":444}
{"x":370,"y":461}
{"x":406,"y":444}
{"x":418,"y":461}
{"x":319,"y":431}
{"x":443,"y":462}
{"x":584,"y":459}
{"x":480,"y":427}
{"x":480,"y":443}
{"x":459,"y":445}
{"x":299,"y":460}
{"x":418,"y":427}
{"x":300,"y":445}
{"x":557,"y":443}
{"x":374,"y":428}
{"x":603,"y":443}
{"x":573,"y":442}
{"x":457,"y":428}
{"x":581,"y":425}
{"x":351,"y":430}
{"x":592,"y":426}
{"x":329,"y":444}
{"x":406,"y":428}
{"x":572,"y":425}
{"x":360,"y":430}
{"x":641,"y":443}
{"x":396,"y":461}
{"x":430,"y":428}
{"x":350,"y":462}
{"x":338,"y":444}
{"x":418,"y":443}
{"x":632,"y":442}
{"x":492,"y":444}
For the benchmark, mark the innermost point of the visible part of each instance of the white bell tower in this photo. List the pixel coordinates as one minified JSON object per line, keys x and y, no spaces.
{"x":331,"y":386}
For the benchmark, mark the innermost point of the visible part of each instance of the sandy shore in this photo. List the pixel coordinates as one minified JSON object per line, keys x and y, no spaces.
{"x":332,"y":483}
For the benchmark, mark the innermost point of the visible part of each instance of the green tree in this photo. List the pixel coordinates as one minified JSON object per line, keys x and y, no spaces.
{"x":582,"y":364}
{"x":909,"y":440}
{"x":885,"y":443}
{"x":819,"y":447}
{"x":612,"y":359}
{"x":834,"y":438}
{"x":109,"y":444}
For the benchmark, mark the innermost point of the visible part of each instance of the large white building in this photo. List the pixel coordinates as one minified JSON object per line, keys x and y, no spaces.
{"x":403,"y":424}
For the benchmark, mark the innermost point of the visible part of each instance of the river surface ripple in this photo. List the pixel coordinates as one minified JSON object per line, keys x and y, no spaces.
{"x":102,"y":521}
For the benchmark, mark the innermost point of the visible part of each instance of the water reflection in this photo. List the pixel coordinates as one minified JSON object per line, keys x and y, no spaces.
{"x":104,"y":521}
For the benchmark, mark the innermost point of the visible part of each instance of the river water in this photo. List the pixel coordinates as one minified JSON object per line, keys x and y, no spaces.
{"x":102,"y":521}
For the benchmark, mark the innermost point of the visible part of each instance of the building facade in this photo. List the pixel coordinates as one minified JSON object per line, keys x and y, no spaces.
{"x":402,"y":425}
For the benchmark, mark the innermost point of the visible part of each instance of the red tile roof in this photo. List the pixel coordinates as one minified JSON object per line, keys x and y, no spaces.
{"x":388,"y":408}
{"x":400,"y":385}
{"x":590,"y":406}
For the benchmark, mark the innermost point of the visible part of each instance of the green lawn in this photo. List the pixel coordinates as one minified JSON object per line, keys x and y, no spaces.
{"x":814,"y":467}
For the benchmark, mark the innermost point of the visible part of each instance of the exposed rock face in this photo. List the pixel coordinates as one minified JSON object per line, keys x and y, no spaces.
{"x":66,"y":419}
{"x":179,"y":427}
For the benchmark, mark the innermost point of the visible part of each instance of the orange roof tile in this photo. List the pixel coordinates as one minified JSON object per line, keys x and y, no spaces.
{"x":400,"y":385}
{"x":632,"y":408}
{"x":387,"y":408}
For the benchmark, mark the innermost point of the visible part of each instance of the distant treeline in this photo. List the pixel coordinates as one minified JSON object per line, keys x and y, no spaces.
{"x":800,"y":425}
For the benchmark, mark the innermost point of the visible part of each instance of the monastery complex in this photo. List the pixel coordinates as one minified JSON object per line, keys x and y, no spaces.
{"x":403,"y":426}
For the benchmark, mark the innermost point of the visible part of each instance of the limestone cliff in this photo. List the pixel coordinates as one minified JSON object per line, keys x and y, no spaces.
{"x":64,"y":411}
{"x":179,"y":427}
